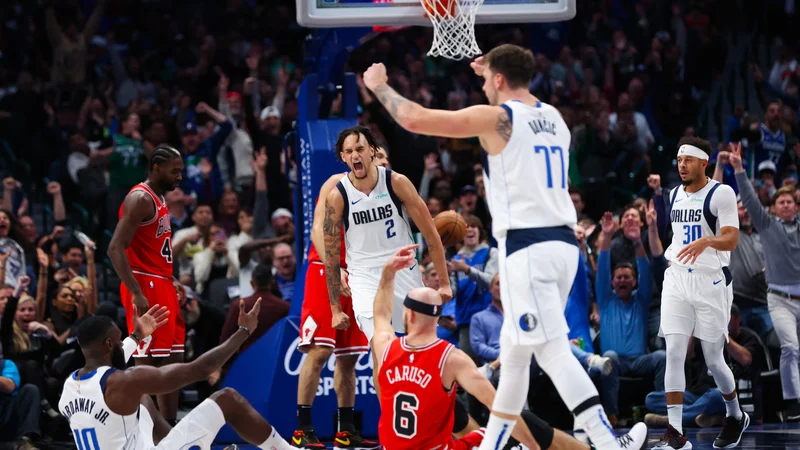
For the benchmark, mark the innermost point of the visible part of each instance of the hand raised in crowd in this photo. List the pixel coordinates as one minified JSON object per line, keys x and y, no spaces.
{"x":54,"y":188}
{"x":650,"y":214}
{"x":260,"y":161}
{"x":42,"y":258}
{"x":654,"y":181}
{"x":608,"y":224}
{"x":736,"y":156}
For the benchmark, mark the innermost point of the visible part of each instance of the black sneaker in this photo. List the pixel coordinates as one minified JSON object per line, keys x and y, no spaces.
{"x":352,"y":440}
{"x":307,"y":439}
{"x":793,"y":412}
{"x":673,"y":440}
{"x":732,"y":431}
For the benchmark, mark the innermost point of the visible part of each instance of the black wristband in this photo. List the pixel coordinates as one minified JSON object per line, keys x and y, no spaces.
{"x":135,"y":337}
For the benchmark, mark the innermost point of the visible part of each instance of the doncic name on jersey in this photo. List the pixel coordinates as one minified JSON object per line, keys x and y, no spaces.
{"x":84,"y":405}
{"x":372,"y":215}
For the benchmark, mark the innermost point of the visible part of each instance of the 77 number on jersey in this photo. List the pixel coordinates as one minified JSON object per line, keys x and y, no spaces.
{"x":548,"y":165}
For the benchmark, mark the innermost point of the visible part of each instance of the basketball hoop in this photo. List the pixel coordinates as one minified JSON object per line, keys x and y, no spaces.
{"x":453,"y":27}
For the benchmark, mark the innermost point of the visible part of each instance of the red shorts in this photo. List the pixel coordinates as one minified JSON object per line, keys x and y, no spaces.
{"x":171,"y":336}
{"x":316,"y":318}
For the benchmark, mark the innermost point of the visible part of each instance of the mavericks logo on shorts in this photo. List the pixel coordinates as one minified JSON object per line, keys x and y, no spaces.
{"x":527,"y":322}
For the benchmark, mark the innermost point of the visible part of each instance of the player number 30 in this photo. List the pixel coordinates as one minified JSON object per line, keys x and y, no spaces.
{"x":691,"y":233}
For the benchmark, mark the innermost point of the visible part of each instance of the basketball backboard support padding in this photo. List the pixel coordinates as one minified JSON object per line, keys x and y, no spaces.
{"x":359,"y":13}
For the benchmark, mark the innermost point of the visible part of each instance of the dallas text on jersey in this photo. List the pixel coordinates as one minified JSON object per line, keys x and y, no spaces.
{"x":85,"y":405}
{"x":372,"y":215}
{"x":686,"y":215}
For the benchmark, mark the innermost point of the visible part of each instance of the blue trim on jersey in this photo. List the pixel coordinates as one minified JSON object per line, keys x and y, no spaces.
{"x":671,"y":203}
{"x":83,"y":377}
{"x":538,"y":104}
{"x":395,"y":199}
{"x":728,"y":275}
{"x":521,"y":238}
{"x":104,"y":379}
{"x":346,"y":210}
{"x":485,"y":161}
{"x":500,"y":437}
{"x":711,"y":219}
{"x":508,"y":111}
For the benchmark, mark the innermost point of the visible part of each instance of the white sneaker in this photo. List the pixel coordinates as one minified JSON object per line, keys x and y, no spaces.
{"x":634,"y":439}
{"x":600,"y":363}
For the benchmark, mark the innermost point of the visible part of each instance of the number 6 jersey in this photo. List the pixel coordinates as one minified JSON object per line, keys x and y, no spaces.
{"x":376,"y":225}
{"x":699,"y":214}
{"x":416,"y":409}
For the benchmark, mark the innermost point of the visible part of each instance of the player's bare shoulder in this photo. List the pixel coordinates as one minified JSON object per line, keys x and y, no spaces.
{"x":138,"y":205}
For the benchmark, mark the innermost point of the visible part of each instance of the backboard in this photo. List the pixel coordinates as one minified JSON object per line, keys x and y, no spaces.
{"x":361,"y":13}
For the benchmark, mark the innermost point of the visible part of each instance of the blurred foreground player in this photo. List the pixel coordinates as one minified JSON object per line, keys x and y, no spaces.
{"x":103,"y":401}
{"x":318,"y":340}
{"x":141,"y":252}
{"x":418,"y":375}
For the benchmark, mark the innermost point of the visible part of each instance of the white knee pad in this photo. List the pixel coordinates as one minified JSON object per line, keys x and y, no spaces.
{"x":715,"y":360}
{"x":674,"y":375}
{"x":515,"y":365}
{"x":565,"y":371}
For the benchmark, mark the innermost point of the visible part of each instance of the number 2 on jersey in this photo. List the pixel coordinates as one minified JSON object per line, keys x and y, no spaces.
{"x":691,"y":233}
{"x":86,"y":439}
{"x":166,"y":250}
{"x":405,"y":414}
{"x":548,"y":164}
{"x":390,"y":233}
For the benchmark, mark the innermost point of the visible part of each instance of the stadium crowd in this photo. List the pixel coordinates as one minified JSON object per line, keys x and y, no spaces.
{"x":89,"y":88}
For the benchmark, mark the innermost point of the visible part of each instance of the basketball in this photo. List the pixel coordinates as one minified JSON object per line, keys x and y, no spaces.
{"x":444,"y":8}
{"x":451,"y":227}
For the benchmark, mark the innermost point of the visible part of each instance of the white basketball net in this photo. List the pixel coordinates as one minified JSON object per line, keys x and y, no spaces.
{"x":453,"y":35}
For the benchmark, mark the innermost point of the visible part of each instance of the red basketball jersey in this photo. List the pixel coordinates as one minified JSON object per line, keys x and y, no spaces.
{"x":313,"y":256}
{"x":416,"y":410}
{"x":150,"y":251}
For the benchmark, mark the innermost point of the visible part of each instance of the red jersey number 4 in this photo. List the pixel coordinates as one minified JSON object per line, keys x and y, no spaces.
{"x":166,"y":250}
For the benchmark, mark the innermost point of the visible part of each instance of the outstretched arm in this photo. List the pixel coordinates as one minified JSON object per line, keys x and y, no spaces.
{"x":469,"y":122}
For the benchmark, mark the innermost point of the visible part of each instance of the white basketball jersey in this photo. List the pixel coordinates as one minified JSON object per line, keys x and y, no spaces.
{"x":375,"y":225}
{"x":93,"y":425}
{"x":526,"y":184}
{"x":698,"y":214}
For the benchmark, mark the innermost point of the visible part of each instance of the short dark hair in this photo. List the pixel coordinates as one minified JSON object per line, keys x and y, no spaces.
{"x":700,"y":143}
{"x":262,"y":275}
{"x":515,"y":63}
{"x":70,"y":246}
{"x":785,"y":190}
{"x":574,"y":190}
{"x":625,"y":265}
{"x":93,"y":329}
{"x":372,"y":141}
{"x":162,"y":154}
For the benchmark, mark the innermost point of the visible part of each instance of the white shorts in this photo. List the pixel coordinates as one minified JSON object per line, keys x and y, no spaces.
{"x":363,"y":287}
{"x":197,"y":430}
{"x":535,"y":281}
{"x":696,"y":303}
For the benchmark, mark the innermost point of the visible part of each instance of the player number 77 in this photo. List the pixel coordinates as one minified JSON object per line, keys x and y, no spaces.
{"x":547,"y":150}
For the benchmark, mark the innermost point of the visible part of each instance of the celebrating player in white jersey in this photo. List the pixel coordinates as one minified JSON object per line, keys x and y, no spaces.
{"x":697,"y":294}
{"x":103,"y":401}
{"x":374,"y":205}
{"x":525,"y":175}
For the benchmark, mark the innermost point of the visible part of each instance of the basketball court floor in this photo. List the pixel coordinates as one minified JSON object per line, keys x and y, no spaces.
{"x":767,"y":437}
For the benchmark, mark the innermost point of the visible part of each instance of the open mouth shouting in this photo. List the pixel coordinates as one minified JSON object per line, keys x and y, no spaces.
{"x":358,"y":169}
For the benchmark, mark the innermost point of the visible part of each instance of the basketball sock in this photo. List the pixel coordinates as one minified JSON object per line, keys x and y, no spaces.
{"x":346,"y":419}
{"x":595,"y":422}
{"x":675,"y":416}
{"x":275,"y":442}
{"x":498,"y":430}
{"x":304,"y":416}
{"x":732,"y":408}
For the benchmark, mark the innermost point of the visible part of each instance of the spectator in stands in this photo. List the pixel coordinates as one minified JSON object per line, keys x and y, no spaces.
{"x":19,"y":408}
{"x":283,"y":222}
{"x":703,"y":404}
{"x":239,"y":142}
{"x":434,"y":206}
{"x":202,"y":178}
{"x":13,"y":198}
{"x":228,"y":212}
{"x":484,"y":330}
{"x":577,"y":200}
{"x":747,"y":357}
{"x":780,"y":237}
{"x":204,"y":323}
{"x":285,"y":269}
{"x":212,"y":261}
{"x":11,"y":248}
{"x":179,"y":217}
{"x":623,"y":247}
{"x":273,"y":309}
{"x":70,"y":45}
{"x":126,"y":164}
{"x":243,"y":233}
{"x":747,"y":268}
{"x":471,"y":273}
{"x":189,"y":241}
{"x":72,"y":259}
{"x":623,"y":299}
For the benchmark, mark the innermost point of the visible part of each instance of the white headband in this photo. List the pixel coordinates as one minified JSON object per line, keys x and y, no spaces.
{"x":691,"y":150}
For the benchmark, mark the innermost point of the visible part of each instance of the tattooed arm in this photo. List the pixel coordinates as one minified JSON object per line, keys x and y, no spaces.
{"x":489,"y":122}
{"x":331,"y":231}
